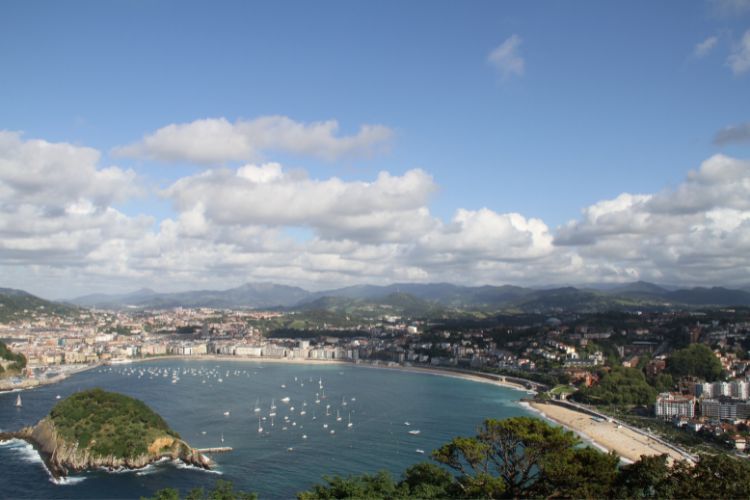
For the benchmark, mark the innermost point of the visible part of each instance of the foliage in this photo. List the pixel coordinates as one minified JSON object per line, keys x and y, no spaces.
{"x":516,"y":457}
{"x":108,"y":423}
{"x":18,"y":359}
{"x":696,"y":360}
{"x":527,"y":458}
{"x":223,"y":490}
{"x":621,"y":386}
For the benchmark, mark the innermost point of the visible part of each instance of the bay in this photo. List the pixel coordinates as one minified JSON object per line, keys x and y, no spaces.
{"x":214,"y":400}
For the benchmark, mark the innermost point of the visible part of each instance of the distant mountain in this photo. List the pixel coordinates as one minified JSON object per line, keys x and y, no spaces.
{"x":639,"y":288}
{"x":444,"y":294}
{"x":104,"y":301}
{"x":250,"y":295}
{"x":17,"y":304}
{"x":716,"y":296}
{"x":428,"y":297}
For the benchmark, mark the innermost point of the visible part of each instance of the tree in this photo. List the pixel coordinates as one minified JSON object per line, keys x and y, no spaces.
{"x":380,"y":485}
{"x":696,"y":360}
{"x":714,"y":476}
{"x":523,"y":456}
{"x":621,"y":386}
{"x":649,"y":477}
{"x":428,"y":481}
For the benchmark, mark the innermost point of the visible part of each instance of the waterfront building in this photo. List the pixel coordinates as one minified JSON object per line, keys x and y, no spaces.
{"x":670,"y":404}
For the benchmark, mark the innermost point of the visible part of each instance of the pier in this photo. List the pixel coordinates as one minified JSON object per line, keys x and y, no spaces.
{"x":220,"y":449}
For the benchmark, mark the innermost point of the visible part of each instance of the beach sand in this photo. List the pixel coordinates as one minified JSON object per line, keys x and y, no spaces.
{"x":626,"y":442}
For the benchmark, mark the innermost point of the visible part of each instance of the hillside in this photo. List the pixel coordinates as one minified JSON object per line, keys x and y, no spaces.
{"x":426,"y":298}
{"x":94,"y":428}
{"x":17,"y":305}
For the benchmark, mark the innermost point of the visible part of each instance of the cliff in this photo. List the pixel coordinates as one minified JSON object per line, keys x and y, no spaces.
{"x":94,"y":435}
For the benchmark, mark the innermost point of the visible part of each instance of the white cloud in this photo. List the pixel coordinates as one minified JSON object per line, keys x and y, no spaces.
{"x":733,"y":134}
{"x":730,"y":7}
{"x":506,"y":59}
{"x":216,"y":141}
{"x":230,"y":226}
{"x":387,"y":208}
{"x":705,"y":47}
{"x":739,"y":59}
{"x":696,"y":233}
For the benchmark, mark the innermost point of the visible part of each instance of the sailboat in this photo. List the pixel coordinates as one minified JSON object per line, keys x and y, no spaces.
{"x":257,"y":406}
{"x":338,"y":416}
{"x":222,"y":437}
{"x":18,"y":401}
{"x":260,"y":429}
{"x":350,"y":420}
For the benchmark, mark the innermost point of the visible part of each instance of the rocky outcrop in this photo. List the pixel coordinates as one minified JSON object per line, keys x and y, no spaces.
{"x":63,"y":457}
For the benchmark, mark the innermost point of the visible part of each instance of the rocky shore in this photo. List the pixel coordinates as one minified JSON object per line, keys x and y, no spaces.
{"x":62,"y":457}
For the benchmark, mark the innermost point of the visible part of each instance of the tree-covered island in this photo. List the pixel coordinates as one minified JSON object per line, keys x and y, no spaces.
{"x":95,"y":429}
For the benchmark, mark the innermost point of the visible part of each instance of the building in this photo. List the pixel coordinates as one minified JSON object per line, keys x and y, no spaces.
{"x":670,"y":404}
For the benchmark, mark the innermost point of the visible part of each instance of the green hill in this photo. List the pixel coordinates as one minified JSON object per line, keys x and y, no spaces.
{"x":17,"y":305}
{"x":94,"y":429}
{"x":108,"y":423}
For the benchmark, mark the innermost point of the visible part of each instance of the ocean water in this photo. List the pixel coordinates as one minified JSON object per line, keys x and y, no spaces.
{"x":215,"y":400}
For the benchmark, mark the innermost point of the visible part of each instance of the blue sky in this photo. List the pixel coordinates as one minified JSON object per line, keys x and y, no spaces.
{"x":612,"y":98}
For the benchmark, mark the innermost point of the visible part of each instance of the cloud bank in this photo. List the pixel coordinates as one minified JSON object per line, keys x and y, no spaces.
{"x":59,"y":227}
{"x":215,"y":141}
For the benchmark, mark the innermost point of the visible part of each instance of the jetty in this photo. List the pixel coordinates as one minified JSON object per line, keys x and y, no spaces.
{"x":220,"y":449}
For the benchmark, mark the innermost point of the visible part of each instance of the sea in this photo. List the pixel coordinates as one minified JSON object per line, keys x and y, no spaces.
{"x":397,"y":418}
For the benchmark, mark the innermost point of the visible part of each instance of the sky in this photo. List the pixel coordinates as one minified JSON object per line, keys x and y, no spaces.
{"x":183,"y":145}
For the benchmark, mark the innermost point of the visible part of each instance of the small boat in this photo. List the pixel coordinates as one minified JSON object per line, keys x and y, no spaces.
{"x":57,"y":397}
{"x":407,"y":423}
{"x":283,"y":386}
{"x":18,"y":401}
{"x":420,"y":451}
{"x":325,"y":426}
{"x":290,"y":449}
{"x":226,"y":413}
{"x":414,"y":432}
{"x":304,"y":436}
{"x":333,"y":432}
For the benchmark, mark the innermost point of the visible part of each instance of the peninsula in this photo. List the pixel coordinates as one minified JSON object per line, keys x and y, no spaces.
{"x":98,"y":429}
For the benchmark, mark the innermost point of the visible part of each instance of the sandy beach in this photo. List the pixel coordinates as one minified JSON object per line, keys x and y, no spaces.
{"x":626,"y":442}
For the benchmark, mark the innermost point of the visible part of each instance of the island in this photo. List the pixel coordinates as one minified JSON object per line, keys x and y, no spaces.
{"x":98,"y":429}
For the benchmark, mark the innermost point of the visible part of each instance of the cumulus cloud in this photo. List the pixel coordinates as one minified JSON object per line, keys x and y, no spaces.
{"x":698,"y":232}
{"x":387,"y":208}
{"x":215,"y":141}
{"x":56,"y":202}
{"x":506,"y":59}
{"x":705,"y":47}
{"x":730,"y":7}
{"x":739,"y":60}
{"x":733,"y":134}
{"x":59,"y":224}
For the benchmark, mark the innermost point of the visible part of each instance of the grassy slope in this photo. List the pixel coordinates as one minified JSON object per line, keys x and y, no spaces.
{"x":109,"y":423}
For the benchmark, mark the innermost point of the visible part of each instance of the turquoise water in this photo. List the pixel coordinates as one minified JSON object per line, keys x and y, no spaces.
{"x":277,"y":462}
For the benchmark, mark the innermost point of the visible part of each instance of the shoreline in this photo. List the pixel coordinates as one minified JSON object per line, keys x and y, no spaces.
{"x":630,"y":444}
{"x":429,"y":370}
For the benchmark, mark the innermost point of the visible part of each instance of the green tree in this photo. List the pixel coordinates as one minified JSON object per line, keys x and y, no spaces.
{"x":621,"y":386}
{"x":696,"y":360}
{"x":380,"y":485}
{"x":428,"y":481}
{"x":714,"y":476}
{"x":649,"y":477}
{"x":521,"y":456}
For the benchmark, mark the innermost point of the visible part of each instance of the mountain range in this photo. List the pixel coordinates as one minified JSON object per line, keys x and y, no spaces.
{"x":428,"y":296}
